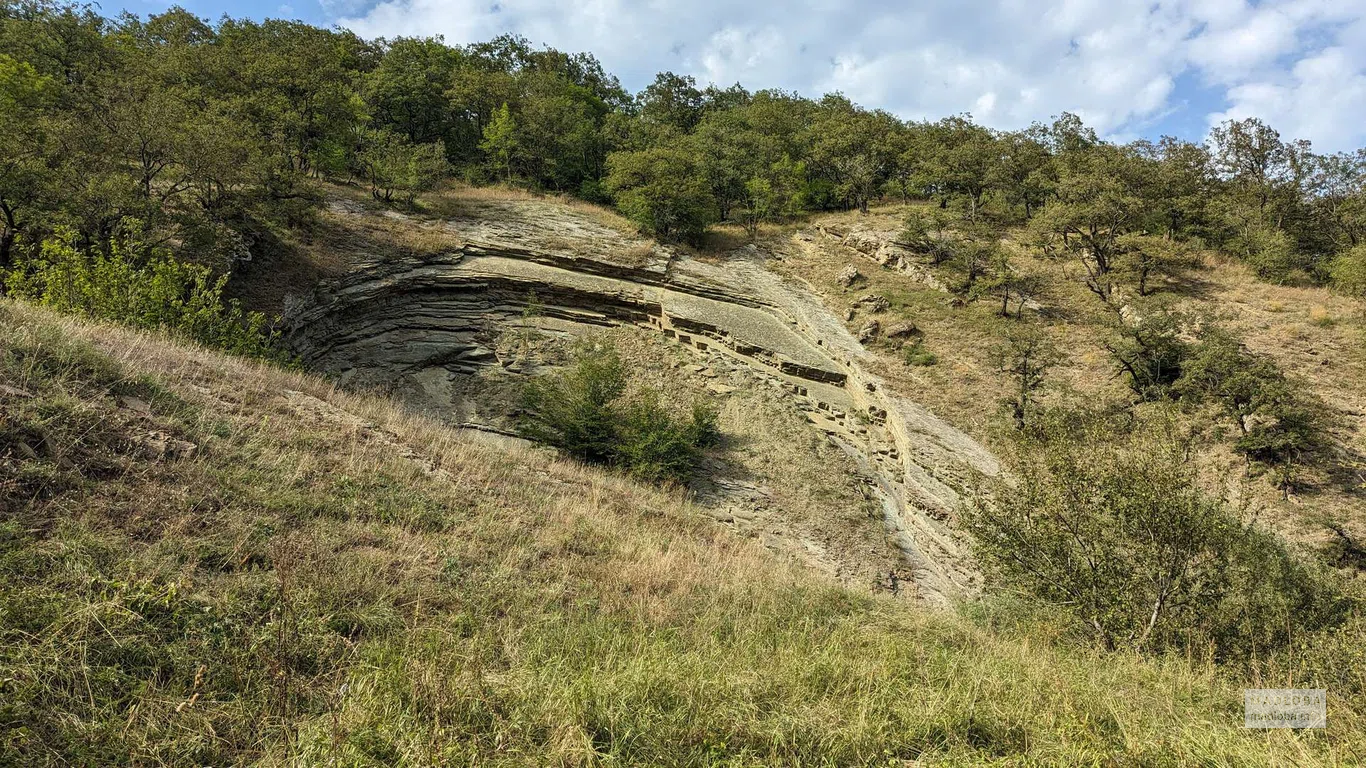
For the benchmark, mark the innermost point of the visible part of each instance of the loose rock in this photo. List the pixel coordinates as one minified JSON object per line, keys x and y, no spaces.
{"x":848,"y":276}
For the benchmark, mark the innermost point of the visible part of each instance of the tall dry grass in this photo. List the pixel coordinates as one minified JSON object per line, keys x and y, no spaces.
{"x":331,"y":580}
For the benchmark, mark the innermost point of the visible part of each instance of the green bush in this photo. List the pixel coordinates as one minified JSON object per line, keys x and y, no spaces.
{"x":1109,"y":522}
{"x":1269,"y":251}
{"x":1349,"y":272}
{"x":662,"y":191}
{"x":140,"y":287}
{"x":1150,"y":352}
{"x":583,"y":412}
{"x":1280,"y":424}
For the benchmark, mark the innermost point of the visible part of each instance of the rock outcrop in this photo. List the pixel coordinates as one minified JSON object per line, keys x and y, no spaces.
{"x":422,"y":327}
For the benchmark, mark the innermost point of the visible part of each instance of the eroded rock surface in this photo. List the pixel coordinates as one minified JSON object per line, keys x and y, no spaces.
{"x":424,"y":328}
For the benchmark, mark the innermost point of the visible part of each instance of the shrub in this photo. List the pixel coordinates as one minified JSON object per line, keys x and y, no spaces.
{"x":1110,"y":523}
{"x":925,"y":232}
{"x":1150,"y":353}
{"x":581,"y":412}
{"x":140,"y":287}
{"x":1349,"y":272}
{"x":575,"y":411}
{"x":662,"y":191}
{"x":1280,"y":425}
{"x":1269,"y":251}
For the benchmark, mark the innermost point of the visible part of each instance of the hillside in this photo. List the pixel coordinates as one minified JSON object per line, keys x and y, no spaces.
{"x":211,"y":561}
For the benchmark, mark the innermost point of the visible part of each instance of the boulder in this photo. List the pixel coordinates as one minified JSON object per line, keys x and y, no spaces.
{"x":874,"y":303}
{"x":902,"y":331}
{"x":869,"y":331}
{"x":848,"y":276}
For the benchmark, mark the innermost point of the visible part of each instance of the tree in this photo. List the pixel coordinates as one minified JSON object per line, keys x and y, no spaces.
{"x":392,"y":164}
{"x":1144,"y":258}
{"x":1280,"y":424}
{"x":1150,"y":351}
{"x":24,"y":94}
{"x":1005,"y":281}
{"x":500,"y":140}
{"x":1109,"y":523}
{"x":959,"y":160}
{"x":407,"y":91}
{"x":672,"y":101}
{"x":1023,"y":168}
{"x":662,"y":191}
{"x":1099,"y":199}
{"x":1026,"y":354}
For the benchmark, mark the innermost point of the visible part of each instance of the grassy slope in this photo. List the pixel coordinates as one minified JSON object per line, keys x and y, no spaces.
{"x":1311,"y":333}
{"x":327,"y":580}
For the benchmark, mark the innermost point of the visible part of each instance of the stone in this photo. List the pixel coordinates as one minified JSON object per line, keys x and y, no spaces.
{"x":720,"y":389}
{"x":136,"y":405}
{"x":902,"y":331}
{"x":869,"y":331}
{"x":874,"y":303}
{"x":848,"y":276}
{"x":158,"y":445}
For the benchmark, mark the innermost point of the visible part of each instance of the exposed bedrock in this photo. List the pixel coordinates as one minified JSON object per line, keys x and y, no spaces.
{"x":420,"y":327}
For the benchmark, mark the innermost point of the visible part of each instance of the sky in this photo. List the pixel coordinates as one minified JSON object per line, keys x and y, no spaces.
{"x":1129,"y":68}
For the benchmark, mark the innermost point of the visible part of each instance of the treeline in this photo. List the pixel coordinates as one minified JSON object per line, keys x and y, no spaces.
{"x":200,"y":137}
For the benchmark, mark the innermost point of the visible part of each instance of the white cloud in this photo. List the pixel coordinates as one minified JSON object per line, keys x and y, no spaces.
{"x":1299,"y":64}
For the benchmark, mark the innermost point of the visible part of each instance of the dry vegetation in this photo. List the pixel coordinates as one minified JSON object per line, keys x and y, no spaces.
{"x":327,"y":579}
{"x":1311,"y":333}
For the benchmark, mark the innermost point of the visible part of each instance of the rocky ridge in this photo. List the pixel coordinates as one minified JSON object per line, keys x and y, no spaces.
{"x":423,"y":327}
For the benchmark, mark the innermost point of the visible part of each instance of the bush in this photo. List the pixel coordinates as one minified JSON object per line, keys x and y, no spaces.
{"x":140,"y":287}
{"x":581,"y":412}
{"x":1109,"y":522}
{"x":925,"y":232}
{"x":1150,"y":353}
{"x":1280,"y":425}
{"x":662,"y":191}
{"x":1269,"y":251}
{"x":1349,"y":272}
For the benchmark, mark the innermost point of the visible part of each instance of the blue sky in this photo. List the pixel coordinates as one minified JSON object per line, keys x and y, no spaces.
{"x":1131,"y":68}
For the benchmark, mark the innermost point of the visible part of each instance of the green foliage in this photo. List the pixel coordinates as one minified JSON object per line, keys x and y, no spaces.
{"x":1281,"y":425}
{"x":1145,"y":258}
{"x":662,"y":191}
{"x":1269,"y":251}
{"x":140,"y":287}
{"x":1150,"y":351}
{"x":1110,"y":522}
{"x":1349,"y":272}
{"x":392,"y":164}
{"x":583,"y":413}
{"x":926,"y":232}
{"x":500,"y":140}
{"x":1026,"y":354}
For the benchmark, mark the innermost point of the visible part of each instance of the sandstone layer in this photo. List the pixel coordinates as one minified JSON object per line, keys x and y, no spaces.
{"x":423,"y":327}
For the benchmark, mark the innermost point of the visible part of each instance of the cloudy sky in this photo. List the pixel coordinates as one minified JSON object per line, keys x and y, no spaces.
{"x":1129,"y":67}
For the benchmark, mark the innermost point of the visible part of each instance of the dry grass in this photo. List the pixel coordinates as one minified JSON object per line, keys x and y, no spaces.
{"x":1312,"y":334}
{"x":333,"y":580}
{"x":457,"y":199}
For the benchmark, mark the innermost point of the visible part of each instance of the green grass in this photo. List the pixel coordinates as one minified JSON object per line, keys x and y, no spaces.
{"x":331,"y":581}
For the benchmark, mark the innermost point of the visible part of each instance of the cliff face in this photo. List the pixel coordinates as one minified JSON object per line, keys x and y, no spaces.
{"x":428,"y":329}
